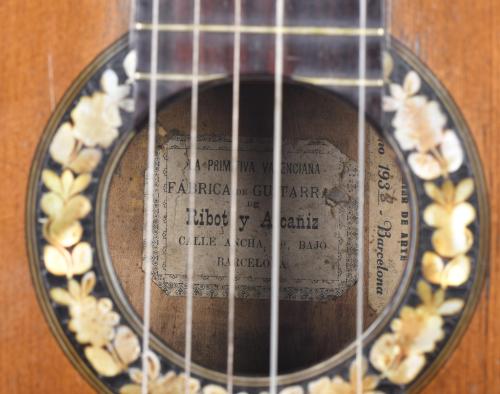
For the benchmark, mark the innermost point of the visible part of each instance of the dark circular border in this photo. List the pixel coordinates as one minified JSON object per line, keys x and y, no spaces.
{"x":57,"y":316}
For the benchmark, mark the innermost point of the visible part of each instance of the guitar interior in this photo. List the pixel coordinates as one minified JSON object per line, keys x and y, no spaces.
{"x":313,"y":325}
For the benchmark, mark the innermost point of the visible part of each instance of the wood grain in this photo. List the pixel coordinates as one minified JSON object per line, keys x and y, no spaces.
{"x":69,"y":34}
{"x":460,"y":41}
{"x":460,"y":44}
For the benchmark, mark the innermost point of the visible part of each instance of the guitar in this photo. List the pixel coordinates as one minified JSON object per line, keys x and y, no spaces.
{"x":102,"y":214}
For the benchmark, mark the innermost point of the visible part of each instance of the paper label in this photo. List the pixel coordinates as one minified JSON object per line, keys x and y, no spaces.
{"x":388,"y":223}
{"x":318,"y":220}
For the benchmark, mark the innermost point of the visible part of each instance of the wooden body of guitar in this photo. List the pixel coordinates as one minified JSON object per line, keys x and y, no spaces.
{"x":47,"y":44}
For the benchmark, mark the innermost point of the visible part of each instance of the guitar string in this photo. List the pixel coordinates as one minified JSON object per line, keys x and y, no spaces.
{"x":276,"y":201}
{"x":361,"y":198}
{"x":388,"y":24}
{"x":234,"y":189}
{"x":132,"y":19}
{"x":193,"y":138}
{"x":150,"y":191}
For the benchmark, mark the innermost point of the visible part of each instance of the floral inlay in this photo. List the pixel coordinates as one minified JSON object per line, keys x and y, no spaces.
{"x":420,"y":127}
{"x":397,"y":356}
{"x":450,"y":214}
{"x":337,"y":385}
{"x":170,"y":383}
{"x":77,"y":147}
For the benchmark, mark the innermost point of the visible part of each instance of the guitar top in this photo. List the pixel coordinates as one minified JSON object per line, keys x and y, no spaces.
{"x":56,"y":56}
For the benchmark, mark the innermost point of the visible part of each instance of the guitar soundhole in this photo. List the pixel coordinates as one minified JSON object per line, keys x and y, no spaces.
{"x":319,"y":211}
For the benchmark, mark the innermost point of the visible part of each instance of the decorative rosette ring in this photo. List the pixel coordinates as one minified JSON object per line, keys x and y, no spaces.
{"x":450,"y":209}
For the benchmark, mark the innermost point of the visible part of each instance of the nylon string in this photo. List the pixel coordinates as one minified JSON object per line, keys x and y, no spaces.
{"x":387,"y":31}
{"x":388,"y":22}
{"x":149,"y":198}
{"x":192,"y":196}
{"x":276,"y":204}
{"x":361,"y":197}
{"x":234,"y":190}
